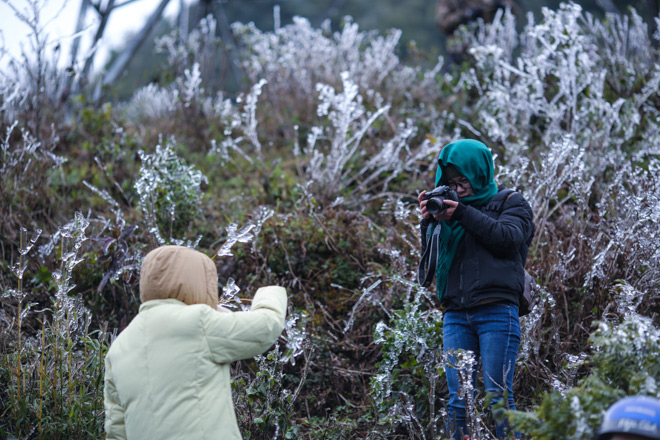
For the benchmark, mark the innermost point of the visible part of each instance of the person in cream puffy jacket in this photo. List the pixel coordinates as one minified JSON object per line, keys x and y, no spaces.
{"x":167,"y":374}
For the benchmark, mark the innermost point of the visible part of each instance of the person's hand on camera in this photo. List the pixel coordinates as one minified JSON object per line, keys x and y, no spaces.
{"x":422,"y":206}
{"x":447,"y":213}
{"x":444,"y":215}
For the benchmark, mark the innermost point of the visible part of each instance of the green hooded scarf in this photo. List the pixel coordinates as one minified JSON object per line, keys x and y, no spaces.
{"x":474,"y":161}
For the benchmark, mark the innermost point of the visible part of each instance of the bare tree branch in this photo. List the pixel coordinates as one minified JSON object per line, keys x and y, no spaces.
{"x":124,"y":3}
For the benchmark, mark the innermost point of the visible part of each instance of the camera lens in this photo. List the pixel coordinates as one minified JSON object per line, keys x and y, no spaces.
{"x":435,"y":206}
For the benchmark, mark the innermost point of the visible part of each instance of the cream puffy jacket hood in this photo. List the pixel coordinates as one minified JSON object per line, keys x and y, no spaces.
{"x":167,"y":373}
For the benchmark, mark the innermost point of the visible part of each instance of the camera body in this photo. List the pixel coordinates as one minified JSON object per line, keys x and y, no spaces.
{"x":436,"y":199}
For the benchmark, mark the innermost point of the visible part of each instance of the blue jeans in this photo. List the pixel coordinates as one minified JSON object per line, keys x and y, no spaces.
{"x":492,"y":332}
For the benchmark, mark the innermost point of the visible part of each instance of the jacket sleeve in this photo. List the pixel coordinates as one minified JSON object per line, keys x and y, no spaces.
{"x":503,"y":235}
{"x":114,"y":412}
{"x":242,"y":335}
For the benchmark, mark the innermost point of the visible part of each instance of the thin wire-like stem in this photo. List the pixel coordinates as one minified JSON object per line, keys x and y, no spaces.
{"x":69,"y":347}
{"x":41,"y":374}
{"x":18,"y":320}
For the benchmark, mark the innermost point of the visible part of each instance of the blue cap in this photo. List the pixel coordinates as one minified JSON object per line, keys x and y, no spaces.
{"x":638,"y":415}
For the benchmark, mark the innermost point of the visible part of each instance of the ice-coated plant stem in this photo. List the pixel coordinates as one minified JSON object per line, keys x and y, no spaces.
{"x":18,"y":320}
{"x":41,"y":373}
{"x":68,"y":355}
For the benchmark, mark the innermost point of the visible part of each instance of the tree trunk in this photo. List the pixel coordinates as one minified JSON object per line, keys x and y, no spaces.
{"x":105,"y":14}
{"x":125,"y":57}
{"x":231,"y":51}
{"x":66,"y":90}
{"x":183,"y":19}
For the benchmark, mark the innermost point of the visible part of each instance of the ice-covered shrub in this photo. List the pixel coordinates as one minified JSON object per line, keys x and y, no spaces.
{"x":170,"y":194}
{"x":17,"y":156}
{"x":151,"y":102}
{"x":625,"y":360}
{"x":407,"y":379}
{"x":186,"y":95}
{"x":55,"y":372}
{"x":33,"y":87}
{"x":191,"y":66}
{"x":626,"y":355}
{"x":561,"y":84}
{"x":627,"y":244}
{"x":343,"y":165}
{"x":350,"y":121}
{"x":296,"y":57}
{"x":199,"y":48}
{"x":239,"y":121}
{"x":265,"y":400}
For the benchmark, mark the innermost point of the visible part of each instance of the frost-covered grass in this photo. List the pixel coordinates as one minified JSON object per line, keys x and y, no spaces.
{"x":308,"y":178}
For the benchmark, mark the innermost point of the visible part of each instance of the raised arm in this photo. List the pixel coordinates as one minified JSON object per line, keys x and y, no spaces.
{"x":242,"y":335}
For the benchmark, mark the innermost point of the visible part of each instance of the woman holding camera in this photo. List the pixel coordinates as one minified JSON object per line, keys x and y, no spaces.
{"x":481,"y":243}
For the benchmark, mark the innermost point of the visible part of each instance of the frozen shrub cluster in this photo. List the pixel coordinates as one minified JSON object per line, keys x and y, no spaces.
{"x":239,"y":121}
{"x":631,"y":202}
{"x":191,"y":61}
{"x":197,"y":48}
{"x":33,"y":86}
{"x":560,"y":85}
{"x":623,"y":42}
{"x":57,"y":371}
{"x":578,"y":141}
{"x":559,"y":178}
{"x":333,"y":143}
{"x":170,"y":193}
{"x":296,"y":57}
{"x":268,"y":397}
{"x":151,"y":102}
{"x":331,"y":167}
{"x":588,"y":115}
{"x":625,"y":360}
{"x":410,"y":343}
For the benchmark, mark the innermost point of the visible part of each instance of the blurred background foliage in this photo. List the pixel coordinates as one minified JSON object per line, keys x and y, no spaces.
{"x":421,"y":40}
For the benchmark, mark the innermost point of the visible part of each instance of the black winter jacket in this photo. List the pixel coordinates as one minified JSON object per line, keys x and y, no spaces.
{"x":490,"y":260}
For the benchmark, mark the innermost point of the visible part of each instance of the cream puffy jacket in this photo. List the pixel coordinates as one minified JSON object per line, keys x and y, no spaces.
{"x":167,"y":373}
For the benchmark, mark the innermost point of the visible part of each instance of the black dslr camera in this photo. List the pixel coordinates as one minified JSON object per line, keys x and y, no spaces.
{"x":436,"y":199}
